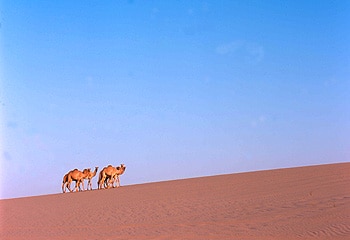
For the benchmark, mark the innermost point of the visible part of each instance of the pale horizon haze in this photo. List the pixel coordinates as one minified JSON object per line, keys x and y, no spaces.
{"x":172,"y":89}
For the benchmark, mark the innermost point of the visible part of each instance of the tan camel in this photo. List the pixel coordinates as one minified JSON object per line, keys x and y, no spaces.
{"x":106,"y":171}
{"x":108,"y":174}
{"x":90,"y":176}
{"x":115,"y":177}
{"x":65,"y":182}
{"x":120,"y":170}
{"x":77,"y":176}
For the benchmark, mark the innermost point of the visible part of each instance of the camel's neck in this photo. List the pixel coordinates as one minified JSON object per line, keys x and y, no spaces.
{"x":121,"y":171}
{"x":94,"y":173}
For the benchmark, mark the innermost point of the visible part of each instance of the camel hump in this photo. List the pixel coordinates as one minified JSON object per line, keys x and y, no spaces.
{"x":109,"y":165}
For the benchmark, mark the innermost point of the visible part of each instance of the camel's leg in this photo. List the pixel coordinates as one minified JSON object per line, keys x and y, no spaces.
{"x":89,"y":184}
{"x":118,"y":181}
{"x":115,"y":181}
{"x":63,"y":187}
{"x":111,"y":181}
{"x":106,"y":182}
{"x":101,"y":182}
{"x":82,"y":183}
{"x":79,"y":188}
{"x":105,"y":185}
{"x":77,"y":185}
{"x":68,"y":185}
{"x":69,"y":181}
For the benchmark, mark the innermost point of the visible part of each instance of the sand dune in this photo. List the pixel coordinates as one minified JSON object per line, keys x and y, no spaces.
{"x":295,"y":203}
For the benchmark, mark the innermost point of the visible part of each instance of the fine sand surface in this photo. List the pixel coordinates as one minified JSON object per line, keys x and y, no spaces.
{"x":296,"y":203}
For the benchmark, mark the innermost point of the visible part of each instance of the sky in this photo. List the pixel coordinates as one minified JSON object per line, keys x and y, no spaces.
{"x":172,"y":89}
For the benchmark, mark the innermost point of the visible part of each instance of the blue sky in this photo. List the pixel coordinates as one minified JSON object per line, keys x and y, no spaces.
{"x":173,"y":89}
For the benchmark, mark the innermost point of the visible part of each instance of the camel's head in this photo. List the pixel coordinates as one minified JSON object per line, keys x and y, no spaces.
{"x":123,"y":167}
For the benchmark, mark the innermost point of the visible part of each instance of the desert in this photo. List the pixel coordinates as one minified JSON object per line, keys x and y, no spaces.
{"x":311,"y":202}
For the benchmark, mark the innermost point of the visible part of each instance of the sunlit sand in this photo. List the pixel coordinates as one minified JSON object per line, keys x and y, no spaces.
{"x":295,"y":203}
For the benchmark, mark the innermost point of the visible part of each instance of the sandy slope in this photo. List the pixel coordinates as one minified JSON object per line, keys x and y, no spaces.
{"x":296,"y":203}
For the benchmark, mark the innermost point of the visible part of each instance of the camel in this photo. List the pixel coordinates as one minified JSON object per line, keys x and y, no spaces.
{"x":120,"y":170}
{"x":106,"y":171}
{"x":115,"y":177}
{"x":90,"y":176}
{"x":77,"y":176}
{"x":112,"y":174}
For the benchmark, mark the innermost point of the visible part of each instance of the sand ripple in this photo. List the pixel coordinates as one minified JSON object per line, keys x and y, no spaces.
{"x":296,"y":203}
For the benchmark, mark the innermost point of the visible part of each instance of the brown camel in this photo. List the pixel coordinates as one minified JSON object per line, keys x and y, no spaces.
{"x":77,"y":176}
{"x":110,"y":173}
{"x":90,"y":176}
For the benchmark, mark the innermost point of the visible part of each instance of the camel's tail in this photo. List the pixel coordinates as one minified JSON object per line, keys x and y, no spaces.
{"x":99,"y":179}
{"x":65,"y":179}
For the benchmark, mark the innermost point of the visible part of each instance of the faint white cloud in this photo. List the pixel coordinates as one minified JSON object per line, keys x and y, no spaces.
{"x":330,"y":82}
{"x":262,"y":118}
{"x":258,"y":121}
{"x":304,"y":91}
{"x":249,"y":51}
{"x":154,"y":12}
{"x":255,"y":52}
{"x":12,"y":124}
{"x":7,"y":156}
{"x":228,"y":48}
{"x":205,"y":7}
{"x":38,"y":142}
{"x":90,"y":82}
